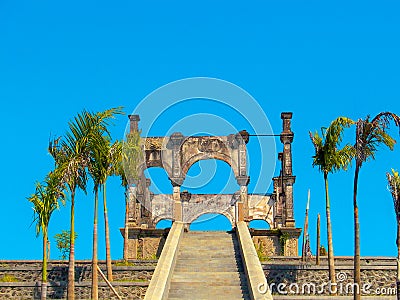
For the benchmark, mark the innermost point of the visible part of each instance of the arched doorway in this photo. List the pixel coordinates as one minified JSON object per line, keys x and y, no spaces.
{"x":164,"y":223}
{"x":259,"y":224}
{"x":211,"y":222}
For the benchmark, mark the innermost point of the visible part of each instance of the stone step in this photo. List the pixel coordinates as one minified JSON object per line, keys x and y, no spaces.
{"x":203,"y":284}
{"x":209,"y":292}
{"x":210,"y":269}
{"x":211,"y":248}
{"x":221,"y":247}
{"x":209,"y":256}
{"x":207,"y":262}
{"x":214,"y":278}
{"x":208,"y":266}
{"x":199,"y":287}
{"x":216,"y":253}
{"x":210,"y":239}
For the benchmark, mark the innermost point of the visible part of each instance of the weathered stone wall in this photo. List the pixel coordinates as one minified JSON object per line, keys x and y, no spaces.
{"x":378,"y":276}
{"x":29,"y":291}
{"x":130,"y":281}
{"x":146,"y":243}
{"x":274,"y":242}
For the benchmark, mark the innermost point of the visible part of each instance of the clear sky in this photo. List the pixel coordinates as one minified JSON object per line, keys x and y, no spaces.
{"x":318,"y":59}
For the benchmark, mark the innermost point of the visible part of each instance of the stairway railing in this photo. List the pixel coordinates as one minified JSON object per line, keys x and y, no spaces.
{"x":256,"y":281}
{"x":161,"y":279}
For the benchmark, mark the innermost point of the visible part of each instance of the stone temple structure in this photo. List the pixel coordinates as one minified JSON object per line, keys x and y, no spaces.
{"x":176,"y":154}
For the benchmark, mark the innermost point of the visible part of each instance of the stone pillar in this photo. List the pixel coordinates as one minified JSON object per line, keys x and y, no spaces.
{"x":185,"y":197}
{"x":133,"y":122}
{"x":242,"y":205}
{"x":288,"y":179}
{"x":242,"y":138}
{"x":139,"y":208}
{"x":289,"y":238}
{"x":176,"y":196}
{"x":287,"y":139}
{"x":278,"y":204}
{"x":174,"y":143}
{"x":146,"y":215}
{"x":132,"y":205}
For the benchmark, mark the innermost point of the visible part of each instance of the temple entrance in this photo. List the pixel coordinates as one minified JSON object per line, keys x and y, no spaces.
{"x":176,"y":154}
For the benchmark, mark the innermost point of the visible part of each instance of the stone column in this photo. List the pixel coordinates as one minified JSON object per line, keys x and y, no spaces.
{"x":139,"y":208}
{"x":146,"y":214}
{"x":132,"y":204}
{"x":177,"y":214}
{"x":185,"y":197}
{"x":242,"y":205}
{"x":287,"y":175}
{"x":278,"y":202}
{"x":174,"y":143}
{"x":133,"y":122}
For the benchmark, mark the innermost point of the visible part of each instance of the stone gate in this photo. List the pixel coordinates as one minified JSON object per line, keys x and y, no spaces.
{"x":176,"y":154}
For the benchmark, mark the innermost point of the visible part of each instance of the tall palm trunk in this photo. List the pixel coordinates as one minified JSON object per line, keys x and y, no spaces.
{"x":331,"y":258}
{"x":95,"y":278}
{"x":44,"y":266}
{"x":71,"y":262}
{"x":398,"y":260}
{"x":126,"y":236}
{"x":357,"y":263}
{"x":107,"y":231}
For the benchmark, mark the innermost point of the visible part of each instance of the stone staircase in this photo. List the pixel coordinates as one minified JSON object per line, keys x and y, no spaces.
{"x":208,"y":266}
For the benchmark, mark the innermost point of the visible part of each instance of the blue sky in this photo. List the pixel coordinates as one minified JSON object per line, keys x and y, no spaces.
{"x":319,"y":59}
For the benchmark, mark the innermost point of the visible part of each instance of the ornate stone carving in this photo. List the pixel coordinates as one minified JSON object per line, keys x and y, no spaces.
{"x":211,"y":144}
{"x":153,"y":143}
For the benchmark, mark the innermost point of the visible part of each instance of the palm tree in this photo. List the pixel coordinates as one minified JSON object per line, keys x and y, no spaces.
{"x":45,"y":201}
{"x":370,"y":134}
{"x":394,"y":186}
{"x":328,"y":158}
{"x":71,"y":155}
{"x":124,"y":183}
{"x":104,"y":162}
{"x":132,"y":158}
{"x":112,"y":158}
{"x":96,"y":171}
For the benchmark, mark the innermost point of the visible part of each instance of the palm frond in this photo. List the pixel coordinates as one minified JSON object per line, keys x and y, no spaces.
{"x":370,"y":135}
{"x":46,"y":200}
{"x":334,"y":133}
{"x":394,"y":187}
{"x":72,"y":153}
{"x":328,"y":158}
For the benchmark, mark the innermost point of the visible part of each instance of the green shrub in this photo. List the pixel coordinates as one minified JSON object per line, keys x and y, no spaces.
{"x":124,"y":263}
{"x":260,"y":253}
{"x":8,"y":278}
{"x":322,"y":251}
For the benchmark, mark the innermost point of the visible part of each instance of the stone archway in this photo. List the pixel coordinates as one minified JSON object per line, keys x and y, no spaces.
{"x":177,"y":153}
